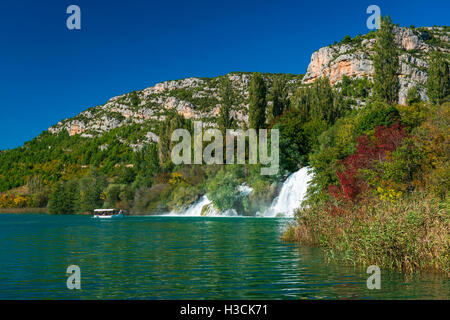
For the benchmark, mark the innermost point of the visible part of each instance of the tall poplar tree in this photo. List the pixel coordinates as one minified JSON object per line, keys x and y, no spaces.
{"x":279,"y":94}
{"x":226,"y":120}
{"x":257,"y":104}
{"x":438,"y":84}
{"x":386,"y":64}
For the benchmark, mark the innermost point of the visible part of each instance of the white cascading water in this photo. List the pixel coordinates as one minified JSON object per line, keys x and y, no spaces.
{"x":292,"y":194}
{"x":196,"y":208}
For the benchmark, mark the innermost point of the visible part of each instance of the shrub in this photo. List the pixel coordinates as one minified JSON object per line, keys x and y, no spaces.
{"x":376,"y":114}
{"x":351,"y":183}
{"x":223,"y":188}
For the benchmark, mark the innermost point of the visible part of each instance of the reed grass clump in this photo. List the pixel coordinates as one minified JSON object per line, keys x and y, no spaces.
{"x":411,"y":234}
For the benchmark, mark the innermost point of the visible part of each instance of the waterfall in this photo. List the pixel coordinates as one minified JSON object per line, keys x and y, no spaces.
{"x":196,"y":208}
{"x":292,"y":194}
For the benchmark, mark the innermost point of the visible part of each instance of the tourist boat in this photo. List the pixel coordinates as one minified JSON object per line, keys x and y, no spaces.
{"x":108,"y":213}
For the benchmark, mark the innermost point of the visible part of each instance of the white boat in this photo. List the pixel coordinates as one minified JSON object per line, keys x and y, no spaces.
{"x":108,"y":213}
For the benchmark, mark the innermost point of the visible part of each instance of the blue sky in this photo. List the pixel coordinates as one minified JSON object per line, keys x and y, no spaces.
{"x":48,"y":73}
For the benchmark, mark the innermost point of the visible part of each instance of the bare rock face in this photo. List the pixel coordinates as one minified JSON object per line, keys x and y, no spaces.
{"x":334,"y":62}
{"x":354,"y":60}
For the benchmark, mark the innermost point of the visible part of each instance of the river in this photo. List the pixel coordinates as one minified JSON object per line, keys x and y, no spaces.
{"x":180,"y":258}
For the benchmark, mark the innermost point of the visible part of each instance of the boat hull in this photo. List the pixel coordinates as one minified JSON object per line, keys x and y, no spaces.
{"x":113,"y":216}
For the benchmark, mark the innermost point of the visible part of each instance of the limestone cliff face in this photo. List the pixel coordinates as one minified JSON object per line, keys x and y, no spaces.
{"x":354,"y":58}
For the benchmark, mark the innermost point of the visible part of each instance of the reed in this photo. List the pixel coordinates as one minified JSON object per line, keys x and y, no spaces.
{"x":410,"y":235}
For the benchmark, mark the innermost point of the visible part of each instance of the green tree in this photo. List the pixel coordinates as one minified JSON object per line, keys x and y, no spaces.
{"x":412,"y":96}
{"x":91,"y":187}
{"x":171,"y":122}
{"x":126,"y":175}
{"x":438,"y":78}
{"x":279,"y":96}
{"x":319,"y":102}
{"x":115,"y":193}
{"x":226,"y":120}
{"x":65,"y":198}
{"x":257,"y":103}
{"x":294,"y":143}
{"x":134,"y":99}
{"x":56,"y":200}
{"x":147,"y":165}
{"x":386,"y":64}
{"x":222,"y":189}
{"x":72,"y":197}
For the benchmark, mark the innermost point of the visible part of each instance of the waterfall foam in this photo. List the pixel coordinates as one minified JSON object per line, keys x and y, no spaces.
{"x":196,"y":208}
{"x":292,"y":194}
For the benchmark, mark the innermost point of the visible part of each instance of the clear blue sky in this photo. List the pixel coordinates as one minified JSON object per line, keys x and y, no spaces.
{"x":48,"y":73}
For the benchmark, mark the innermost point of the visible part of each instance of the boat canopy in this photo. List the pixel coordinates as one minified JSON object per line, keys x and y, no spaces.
{"x":105,"y":210}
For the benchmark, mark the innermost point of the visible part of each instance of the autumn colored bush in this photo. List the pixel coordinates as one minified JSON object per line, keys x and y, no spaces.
{"x":368,"y":150}
{"x":15,"y":201}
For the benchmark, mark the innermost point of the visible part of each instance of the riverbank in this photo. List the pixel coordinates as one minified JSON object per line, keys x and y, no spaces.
{"x":24,"y":210}
{"x":410,"y":235}
{"x":33,"y":210}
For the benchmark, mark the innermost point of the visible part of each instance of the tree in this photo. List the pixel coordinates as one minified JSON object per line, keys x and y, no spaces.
{"x":172,"y":122}
{"x":320,"y":102}
{"x":226,"y":120}
{"x":438,"y":78}
{"x":223,"y":189}
{"x":386,"y":64}
{"x":257,"y":104}
{"x":56,"y":201}
{"x":134,"y":99}
{"x":294,"y":142}
{"x":65,"y":198}
{"x":91,"y":187}
{"x":412,"y":96}
{"x":126,"y":175}
{"x":280,"y":96}
{"x":147,"y":165}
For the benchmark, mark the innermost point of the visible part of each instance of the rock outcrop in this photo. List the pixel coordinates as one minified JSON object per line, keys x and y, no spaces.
{"x":354,"y":59}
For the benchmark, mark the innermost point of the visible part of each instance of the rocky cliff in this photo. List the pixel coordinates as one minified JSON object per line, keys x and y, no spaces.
{"x":352,"y":57}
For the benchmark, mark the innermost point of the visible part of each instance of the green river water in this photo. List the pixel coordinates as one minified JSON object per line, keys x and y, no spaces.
{"x":181,"y":258}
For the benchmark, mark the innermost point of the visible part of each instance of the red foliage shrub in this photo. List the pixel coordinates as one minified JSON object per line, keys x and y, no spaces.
{"x":369,"y":149}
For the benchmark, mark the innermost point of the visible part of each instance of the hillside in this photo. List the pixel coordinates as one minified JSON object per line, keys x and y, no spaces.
{"x":116,"y":137}
{"x":111,"y":135}
{"x":193,"y":98}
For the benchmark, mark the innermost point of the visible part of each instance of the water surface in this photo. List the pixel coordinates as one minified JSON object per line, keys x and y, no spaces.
{"x":180,"y":258}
